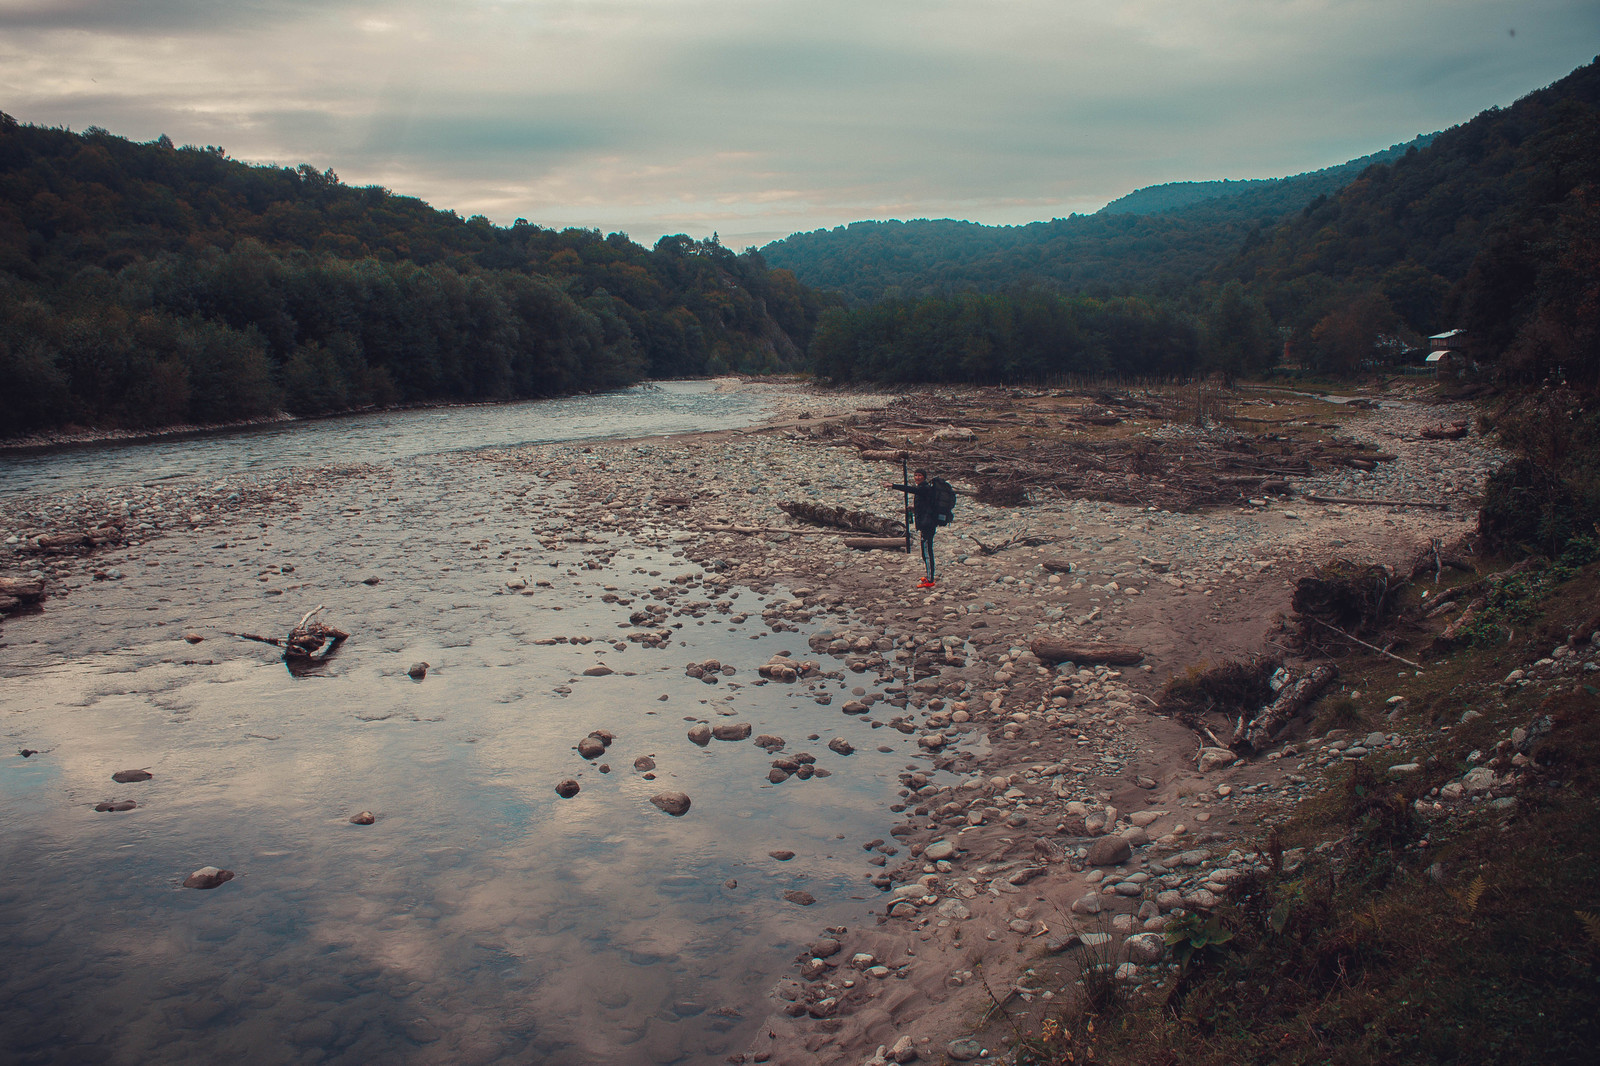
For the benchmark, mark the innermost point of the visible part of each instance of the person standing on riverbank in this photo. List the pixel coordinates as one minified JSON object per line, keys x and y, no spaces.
{"x":925,"y":515}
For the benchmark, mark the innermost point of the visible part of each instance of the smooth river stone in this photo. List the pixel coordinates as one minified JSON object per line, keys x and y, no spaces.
{"x":674,"y":803}
{"x":207,"y":877}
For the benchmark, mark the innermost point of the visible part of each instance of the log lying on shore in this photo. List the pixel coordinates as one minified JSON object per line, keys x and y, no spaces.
{"x":1437,"y":505}
{"x":897,"y":544}
{"x":1250,"y":737}
{"x":1454,"y":431}
{"x":74,"y":541}
{"x":20,"y":592}
{"x":876,"y":455}
{"x":1055,"y":650}
{"x":839,"y":518}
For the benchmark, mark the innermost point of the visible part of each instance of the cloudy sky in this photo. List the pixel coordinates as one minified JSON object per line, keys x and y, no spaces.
{"x":758,"y":118}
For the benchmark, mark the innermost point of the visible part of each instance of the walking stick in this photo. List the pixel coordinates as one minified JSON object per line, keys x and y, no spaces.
{"x":905,"y":479}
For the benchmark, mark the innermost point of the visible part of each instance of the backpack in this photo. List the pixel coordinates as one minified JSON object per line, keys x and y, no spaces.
{"x":944,"y":501}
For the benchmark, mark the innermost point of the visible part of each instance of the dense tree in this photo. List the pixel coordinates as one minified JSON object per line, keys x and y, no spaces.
{"x":142,"y":284}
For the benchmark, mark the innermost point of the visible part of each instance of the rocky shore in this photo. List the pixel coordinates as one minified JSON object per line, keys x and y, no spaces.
{"x":1058,"y":820}
{"x":1053,"y":821}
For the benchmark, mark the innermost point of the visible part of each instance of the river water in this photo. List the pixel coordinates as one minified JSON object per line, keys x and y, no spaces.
{"x":481,"y":918}
{"x":644,"y":410}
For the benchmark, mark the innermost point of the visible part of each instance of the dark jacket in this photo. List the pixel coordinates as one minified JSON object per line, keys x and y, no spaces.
{"x":924,"y":506}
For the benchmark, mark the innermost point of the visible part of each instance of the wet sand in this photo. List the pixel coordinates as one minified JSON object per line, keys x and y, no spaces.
{"x":995,"y":754}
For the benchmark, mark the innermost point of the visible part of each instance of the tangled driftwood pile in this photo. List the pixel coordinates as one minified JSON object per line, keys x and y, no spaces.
{"x":1249,"y":701}
{"x":308,"y":645}
{"x":1017,"y":450}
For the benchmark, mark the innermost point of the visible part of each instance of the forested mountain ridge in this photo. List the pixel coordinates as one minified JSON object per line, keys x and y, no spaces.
{"x":145,"y":284}
{"x":1285,"y":194}
{"x":1155,"y":240}
{"x":1493,"y":228}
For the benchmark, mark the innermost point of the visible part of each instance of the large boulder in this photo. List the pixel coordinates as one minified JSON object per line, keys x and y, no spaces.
{"x":1109,"y":851}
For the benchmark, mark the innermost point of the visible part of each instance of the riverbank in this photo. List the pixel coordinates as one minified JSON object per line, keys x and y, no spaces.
{"x":1051,"y":760}
{"x":1017,"y":768}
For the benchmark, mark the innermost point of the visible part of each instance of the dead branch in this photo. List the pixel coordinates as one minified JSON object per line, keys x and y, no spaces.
{"x":1364,"y":644}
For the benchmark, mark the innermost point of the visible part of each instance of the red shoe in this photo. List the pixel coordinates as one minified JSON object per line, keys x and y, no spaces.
{"x":925,"y":584}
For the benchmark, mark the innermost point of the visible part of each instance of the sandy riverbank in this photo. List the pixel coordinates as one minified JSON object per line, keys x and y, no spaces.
{"x":1046,"y":762}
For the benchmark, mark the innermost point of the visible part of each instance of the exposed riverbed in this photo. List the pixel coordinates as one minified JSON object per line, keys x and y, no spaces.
{"x":481,"y":917}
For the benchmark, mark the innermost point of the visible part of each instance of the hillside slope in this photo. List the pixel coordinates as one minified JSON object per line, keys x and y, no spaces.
{"x":146,"y":284}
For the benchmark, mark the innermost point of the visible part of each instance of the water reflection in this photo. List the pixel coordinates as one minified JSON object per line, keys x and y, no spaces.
{"x":481,"y":918}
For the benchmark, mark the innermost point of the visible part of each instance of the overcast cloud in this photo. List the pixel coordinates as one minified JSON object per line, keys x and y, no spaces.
{"x":758,"y":118}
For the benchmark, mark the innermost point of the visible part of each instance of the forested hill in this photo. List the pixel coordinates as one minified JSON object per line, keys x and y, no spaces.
{"x":144,"y":285}
{"x":1269,"y":195}
{"x":1494,"y":228}
{"x":1158,"y":239}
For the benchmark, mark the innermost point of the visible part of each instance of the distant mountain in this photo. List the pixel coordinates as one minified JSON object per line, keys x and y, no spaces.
{"x":1492,"y":227}
{"x":1289,"y":194}
{"x":1157,"y":239}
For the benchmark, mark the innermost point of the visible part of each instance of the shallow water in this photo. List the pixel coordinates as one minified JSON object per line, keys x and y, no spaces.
{"x":482,"y":918}
{"x":651,"y":409}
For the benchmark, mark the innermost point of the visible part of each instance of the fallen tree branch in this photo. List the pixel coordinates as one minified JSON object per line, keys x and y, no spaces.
{"x":752,"y":531}
{"x":1364,"y":644}
{"x":1365,"y":501}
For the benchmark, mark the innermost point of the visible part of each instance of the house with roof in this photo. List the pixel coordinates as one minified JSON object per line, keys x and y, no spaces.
{"x":1449,"y":351}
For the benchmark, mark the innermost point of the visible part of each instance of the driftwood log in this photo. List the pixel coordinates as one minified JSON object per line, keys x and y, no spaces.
{"x":1250,"y":737}
{"x":839,"y":518}
{"x":1454,"y":431}
{"x":74,"y":541}
{"x":753,"y":531}
{"x":20,"y":591}
{"x":897,"y":544}
{"x":877,"y":455}
{"x":1056,"y":650}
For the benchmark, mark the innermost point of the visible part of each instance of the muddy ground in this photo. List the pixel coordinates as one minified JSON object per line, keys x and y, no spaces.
{"x":1055,"y":819}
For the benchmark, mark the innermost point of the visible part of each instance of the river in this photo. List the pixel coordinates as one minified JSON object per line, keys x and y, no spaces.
{"x":481,"y":917}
